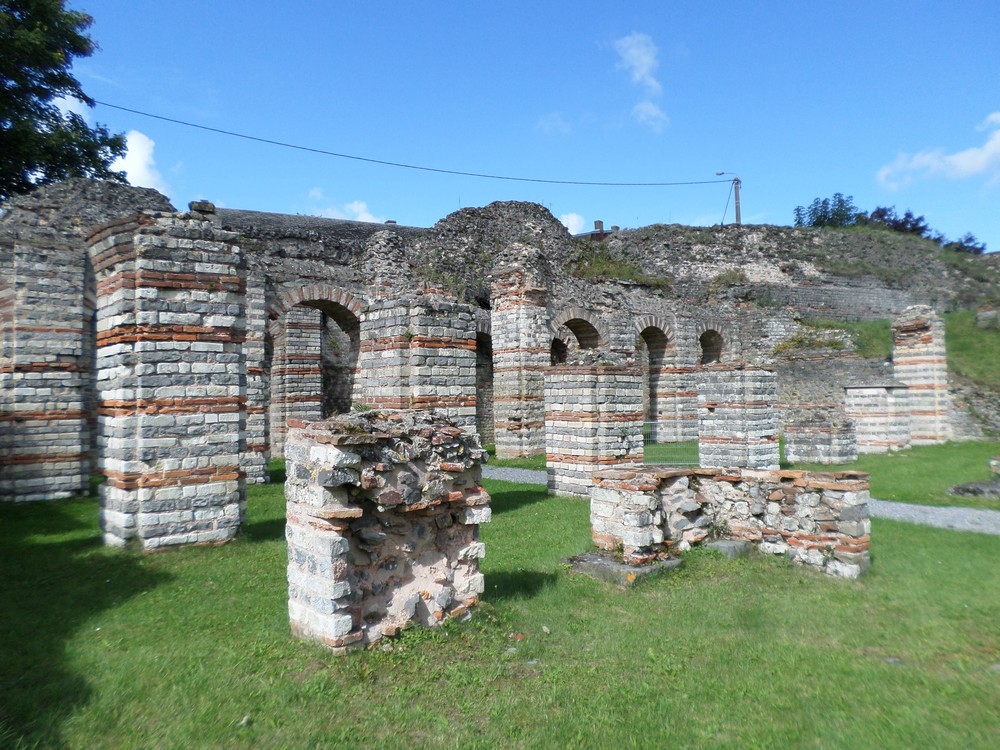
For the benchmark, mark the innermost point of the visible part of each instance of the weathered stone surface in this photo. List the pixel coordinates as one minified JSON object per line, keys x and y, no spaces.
{"x":365,"y":560}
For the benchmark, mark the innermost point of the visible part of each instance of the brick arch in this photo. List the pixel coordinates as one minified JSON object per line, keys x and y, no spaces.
{"x":312,"y":293}
{"x":578,"y":313}
{"x":712,"y":326}
{"x":655,"y":321}
{"x":484,"y":325}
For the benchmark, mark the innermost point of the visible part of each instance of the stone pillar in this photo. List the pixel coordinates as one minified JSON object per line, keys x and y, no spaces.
{"x":255,"y":451}
{"x":44,"y":367}
{"x":918,"y":358}
{"x":824,"y":438}
{"x":737,"y":418}
{"x":593,"y":421}
{"x":677,"y":405}
{"x":521,"y":354}
{"x":383,"y":525}
{"x":881,"y":416}
{"x":171,"y":380}
{"x":420,"y":352}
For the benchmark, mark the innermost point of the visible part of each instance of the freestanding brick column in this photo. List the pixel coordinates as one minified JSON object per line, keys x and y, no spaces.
{"x":521,"y":354}
{"x":300,"y":395}
{"x":420,"y":352}
{"x":918,"y":358}
{"x":255,"y":451}
{"x":737,"y":419}
{"x":44,"y":367}
{"x":881,"y":415}
{"x":677,"y":404}
{"x":593,"y":421}
{"x":823,"y":438}
{"x":383,"y":525}
{"x":170,"y":331}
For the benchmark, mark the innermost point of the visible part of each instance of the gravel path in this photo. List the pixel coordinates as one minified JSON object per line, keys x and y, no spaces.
{"x":959,"y":519}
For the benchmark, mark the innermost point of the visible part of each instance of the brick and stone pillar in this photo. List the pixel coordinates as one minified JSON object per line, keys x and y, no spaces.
{"x":881,"y":415}
{"x":593,"y":421}
{"x":823,"y":438}
{"x":45,"y":369}
{"x":521,"y":353}
{"x":420,"y":352}
{"x":737,"y":418}
{"x":676,"y":405}
{"x":255,"y":451}
{"x":918,"y":358}
{"x":297,"y":373}
{"x":171,"y":380}
{"x":383,"y":514}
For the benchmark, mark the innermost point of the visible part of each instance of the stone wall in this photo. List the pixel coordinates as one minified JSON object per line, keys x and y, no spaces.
{"x":593,"y":420}
{"x":881,"y":415}
{"x":383,"y":514}
{"x":171,"y":380}
{"x":737,"y":420}
{"x":816,"y":519}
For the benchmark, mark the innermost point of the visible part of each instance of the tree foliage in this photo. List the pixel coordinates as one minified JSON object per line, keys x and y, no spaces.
{"x":840,"y":211}
{"x":39,"y":142}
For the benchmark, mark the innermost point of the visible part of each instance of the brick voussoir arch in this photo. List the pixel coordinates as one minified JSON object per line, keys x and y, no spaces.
{"x":288,"y":299}
{"x":643,"y":322}
{"x":578,"y":313}
{"x":704,"y":326}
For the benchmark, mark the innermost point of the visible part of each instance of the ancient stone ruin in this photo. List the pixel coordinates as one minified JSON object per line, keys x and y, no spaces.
{"x":819,"y":520}
{"x":383,"y":513}
{"x":177,"y":352}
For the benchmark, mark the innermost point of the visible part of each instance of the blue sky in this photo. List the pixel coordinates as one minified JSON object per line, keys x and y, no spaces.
{"x":891,"y":102}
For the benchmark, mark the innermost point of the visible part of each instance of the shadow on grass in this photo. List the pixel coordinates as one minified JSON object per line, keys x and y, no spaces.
{"x":55,"y":577}
{"x":504,"y":500}
{"x":266,"y":530}
{"x":516,"y":584}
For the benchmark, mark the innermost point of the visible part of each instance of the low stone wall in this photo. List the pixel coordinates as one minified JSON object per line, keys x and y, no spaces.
{"x":817,"y":519}
{"x":383,"y":514}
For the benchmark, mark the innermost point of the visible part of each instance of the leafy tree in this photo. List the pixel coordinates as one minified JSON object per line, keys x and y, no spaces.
{"x":39,"y":143}
{"x":838,"y":211}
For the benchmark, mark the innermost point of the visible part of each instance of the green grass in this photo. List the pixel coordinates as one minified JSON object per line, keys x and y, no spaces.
{"x":683,"y":453}
{"x":190,"y":648}
{"x":923,"y":474}
{"x":973,"y":352}
{"x":872,"y":338}
{"x":536,"y":462}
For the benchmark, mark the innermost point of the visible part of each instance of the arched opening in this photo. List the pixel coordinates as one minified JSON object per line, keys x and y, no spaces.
{"x":558,"y":352}
{"x":587,"y":336}
{"x":652,"y":353}
{"x":339,"y":344}
{"x":711,"y":347}
{"x":485,"y":423}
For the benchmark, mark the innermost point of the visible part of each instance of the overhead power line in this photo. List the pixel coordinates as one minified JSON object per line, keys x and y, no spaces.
{"x":401,"y":165}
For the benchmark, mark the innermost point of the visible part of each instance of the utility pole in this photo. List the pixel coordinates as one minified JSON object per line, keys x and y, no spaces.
{"x":736,"y":194}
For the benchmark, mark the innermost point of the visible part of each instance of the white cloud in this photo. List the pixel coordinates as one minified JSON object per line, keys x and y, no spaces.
{"x":984,"y":159}
{"x":573,"y":222}
{"x":651,"y":116}
{"x":638,"y":56}
{"x":317,"y":194}
{"x":553,"y":123}
{"x":355,"y":211}
{"x":75,"y":106}
{"x":139,"y":164}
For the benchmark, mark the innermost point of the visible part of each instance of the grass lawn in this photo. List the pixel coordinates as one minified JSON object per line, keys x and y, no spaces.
{"x":191,"y":648}
{"x":922,"y":475}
